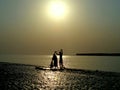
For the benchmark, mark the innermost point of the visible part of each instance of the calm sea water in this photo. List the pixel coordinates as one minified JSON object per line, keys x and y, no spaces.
{"x":104,"y":63}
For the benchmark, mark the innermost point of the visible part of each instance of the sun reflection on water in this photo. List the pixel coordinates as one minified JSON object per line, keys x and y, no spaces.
{"x":52,"y":79}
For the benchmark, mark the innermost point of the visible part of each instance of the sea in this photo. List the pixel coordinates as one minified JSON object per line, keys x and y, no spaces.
{"x":19,"y":73}
{"x":102,"y":63}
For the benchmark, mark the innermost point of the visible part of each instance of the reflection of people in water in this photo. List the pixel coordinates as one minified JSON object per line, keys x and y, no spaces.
{"x":54,"y":59}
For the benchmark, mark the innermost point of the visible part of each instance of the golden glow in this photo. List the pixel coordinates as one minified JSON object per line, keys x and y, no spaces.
{"x":57,"y":9}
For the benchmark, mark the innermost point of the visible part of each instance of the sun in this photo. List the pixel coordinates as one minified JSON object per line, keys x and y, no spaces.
{"x":57,"y":9}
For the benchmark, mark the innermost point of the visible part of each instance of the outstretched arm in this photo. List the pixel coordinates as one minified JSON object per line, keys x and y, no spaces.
{"x":57,"y":53}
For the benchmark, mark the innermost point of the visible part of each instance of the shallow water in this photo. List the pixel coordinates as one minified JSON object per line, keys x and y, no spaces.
{"x":104,"y":63}
{"x":25,"y":77}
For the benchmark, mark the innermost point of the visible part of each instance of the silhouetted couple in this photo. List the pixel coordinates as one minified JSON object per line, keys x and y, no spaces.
{"x":54,"y":62}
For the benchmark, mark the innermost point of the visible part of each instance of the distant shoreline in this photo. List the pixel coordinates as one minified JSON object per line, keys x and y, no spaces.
{"x":98,"y":54}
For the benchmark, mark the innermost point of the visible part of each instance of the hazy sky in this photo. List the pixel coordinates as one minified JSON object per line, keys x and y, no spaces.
{"x":27,"y":27}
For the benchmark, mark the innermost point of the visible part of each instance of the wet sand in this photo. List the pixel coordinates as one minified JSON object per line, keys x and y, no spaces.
{"x":26,"y":77}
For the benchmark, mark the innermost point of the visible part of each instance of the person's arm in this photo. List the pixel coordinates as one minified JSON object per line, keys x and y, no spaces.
{"x":57,"y":53}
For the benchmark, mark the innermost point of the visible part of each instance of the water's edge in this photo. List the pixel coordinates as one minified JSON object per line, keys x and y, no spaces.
{"x":83,"y":71}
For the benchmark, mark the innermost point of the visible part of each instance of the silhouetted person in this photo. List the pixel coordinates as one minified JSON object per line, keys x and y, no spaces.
{"x":61,"y":59}
{"x":54,"y":58}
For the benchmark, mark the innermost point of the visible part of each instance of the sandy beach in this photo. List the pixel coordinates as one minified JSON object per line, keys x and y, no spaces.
{"x":26,"y":77}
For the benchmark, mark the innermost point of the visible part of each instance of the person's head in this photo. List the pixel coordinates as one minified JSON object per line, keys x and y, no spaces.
{"x":55,"y":52}
{"x":61,"y":50}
